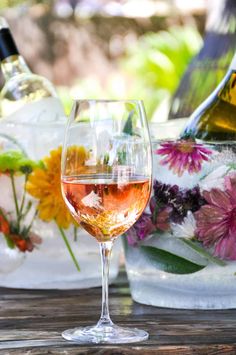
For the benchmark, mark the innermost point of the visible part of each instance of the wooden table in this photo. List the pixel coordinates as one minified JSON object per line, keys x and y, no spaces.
{"x":32,"y":322}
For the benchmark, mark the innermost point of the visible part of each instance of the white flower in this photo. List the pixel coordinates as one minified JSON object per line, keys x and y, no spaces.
{"x":186,"y":229}
{"x":92,"y":200}
{"x":226,"y":156}
{"x":215,"y":179}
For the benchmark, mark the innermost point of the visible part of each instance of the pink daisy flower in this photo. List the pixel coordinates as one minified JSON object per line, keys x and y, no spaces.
{"x":216,"y":221}
{"x":183,"y":155}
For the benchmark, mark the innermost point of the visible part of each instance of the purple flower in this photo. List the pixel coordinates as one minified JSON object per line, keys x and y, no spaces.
{"x":140,"y":230}
{"x":179,"y":200}
{"x":162,"y":220}
{"x":183,"y":155}
{"x":216,"y":221}
{"x":145,"y":226}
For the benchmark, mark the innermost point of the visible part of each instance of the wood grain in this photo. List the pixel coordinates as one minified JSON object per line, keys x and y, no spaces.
{"x":31,"y":322}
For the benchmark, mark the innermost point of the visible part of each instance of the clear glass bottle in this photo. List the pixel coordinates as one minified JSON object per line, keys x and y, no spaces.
{"x":215,"y":119}
{"x":33,"y":121}
{"x":23,"y":87}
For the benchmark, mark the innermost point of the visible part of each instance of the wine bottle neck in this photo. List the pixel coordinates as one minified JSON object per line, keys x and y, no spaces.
{"x":14,"y":65}
{"x":233,"y":63}
{"x":11,"y":61}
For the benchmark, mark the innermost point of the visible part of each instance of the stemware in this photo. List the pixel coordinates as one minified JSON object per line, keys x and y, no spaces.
{"x":106,"y":182}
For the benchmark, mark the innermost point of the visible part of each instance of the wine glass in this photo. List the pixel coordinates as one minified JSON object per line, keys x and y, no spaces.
{"x":106,"y":183}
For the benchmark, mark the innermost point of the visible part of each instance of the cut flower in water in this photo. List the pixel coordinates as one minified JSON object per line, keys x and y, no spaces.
{"x":41,"y":197}
{"x":184,"y":155}
{"x":216,"y":220}
{"x":199,"y":211}
{"x":16,"y":225}
{"x":44,"y":184}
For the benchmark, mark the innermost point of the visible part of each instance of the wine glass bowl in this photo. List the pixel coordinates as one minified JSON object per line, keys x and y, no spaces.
{"x":103,"y":206}
{"x":106,"y":183}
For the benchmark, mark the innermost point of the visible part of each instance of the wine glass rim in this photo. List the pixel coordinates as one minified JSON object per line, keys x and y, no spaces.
{"x":137,"y":101}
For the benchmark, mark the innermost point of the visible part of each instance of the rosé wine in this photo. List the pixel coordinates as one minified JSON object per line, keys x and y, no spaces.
{"x":106,"y":206}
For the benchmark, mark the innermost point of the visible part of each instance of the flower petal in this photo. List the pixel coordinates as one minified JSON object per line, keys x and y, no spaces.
{"x":226,"y":247}
{"x":218,"y":198}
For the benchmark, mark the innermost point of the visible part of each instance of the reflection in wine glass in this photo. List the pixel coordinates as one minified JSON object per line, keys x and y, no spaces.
{"x":106,"y":182}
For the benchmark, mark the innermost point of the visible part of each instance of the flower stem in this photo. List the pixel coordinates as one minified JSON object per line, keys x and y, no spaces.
{"x":27,"y":209}
{"x":14,"y":195}
{"x":69,"y":247}
{"x":31,"y":223}
{"x":3,"y":214}
{"x":23,"y":199}
{"x":75,"y":234}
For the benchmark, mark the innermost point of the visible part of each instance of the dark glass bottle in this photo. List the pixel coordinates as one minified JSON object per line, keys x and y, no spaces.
{"x":215,"y":119}
{"x":208,"y":68}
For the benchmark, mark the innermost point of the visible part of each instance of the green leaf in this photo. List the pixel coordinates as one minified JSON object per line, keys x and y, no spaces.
{"x":9,"y":242}
{"x":232,"y":166}
{"x":169,"y":262}
{"x":156,"y":63}
{"x":196,"y":247}
{"x":128,"y":127}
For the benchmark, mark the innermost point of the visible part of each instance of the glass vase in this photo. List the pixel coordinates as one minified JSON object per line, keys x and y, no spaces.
{"x":182,"y":251}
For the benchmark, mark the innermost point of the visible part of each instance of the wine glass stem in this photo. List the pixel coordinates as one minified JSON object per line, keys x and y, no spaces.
{"x":105,"y":250}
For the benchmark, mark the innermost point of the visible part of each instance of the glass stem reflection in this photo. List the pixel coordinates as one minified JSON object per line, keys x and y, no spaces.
{"x":105,"y":250}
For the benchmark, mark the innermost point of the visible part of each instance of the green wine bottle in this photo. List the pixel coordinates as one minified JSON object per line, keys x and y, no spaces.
{"x":210,"y":65}
{"x":215,"y":119}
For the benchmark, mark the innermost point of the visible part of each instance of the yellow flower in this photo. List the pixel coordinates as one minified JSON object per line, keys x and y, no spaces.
{"x":75,"y":159}
{"x":45,"y":185}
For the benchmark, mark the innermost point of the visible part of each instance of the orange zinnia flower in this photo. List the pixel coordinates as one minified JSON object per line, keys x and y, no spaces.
{"x":4,"y":225}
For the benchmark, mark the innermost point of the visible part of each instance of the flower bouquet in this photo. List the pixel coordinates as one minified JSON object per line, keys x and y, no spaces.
{"x":181,"y":253}
{"x":41,"y":246}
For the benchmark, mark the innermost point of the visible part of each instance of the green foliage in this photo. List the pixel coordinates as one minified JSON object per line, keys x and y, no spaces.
{"x":150,"y":70}
{"x":16,"y":161}
{"x":128,"y":127}
{"x":10,"y":3}
{"x":194,"y":245}
{"x":169,"y":262}
{"x":157,"y":62}
{"x":66,"y":98}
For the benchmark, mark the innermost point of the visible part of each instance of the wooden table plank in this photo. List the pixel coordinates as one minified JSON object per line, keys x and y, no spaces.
{"x":31,"y":322}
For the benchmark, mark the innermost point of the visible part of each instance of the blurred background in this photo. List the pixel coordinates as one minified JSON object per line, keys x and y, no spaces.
{"x":170,"y":53}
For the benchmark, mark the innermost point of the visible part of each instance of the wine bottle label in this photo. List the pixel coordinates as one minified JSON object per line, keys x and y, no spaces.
{"x":228,"y":92}
{"x":47,"y":110}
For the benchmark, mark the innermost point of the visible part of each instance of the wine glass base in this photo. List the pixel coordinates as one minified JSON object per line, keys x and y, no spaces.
{"x":105,"y":334}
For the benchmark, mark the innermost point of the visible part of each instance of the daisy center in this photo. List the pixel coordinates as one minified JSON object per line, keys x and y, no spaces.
{"x":185,"y":146}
